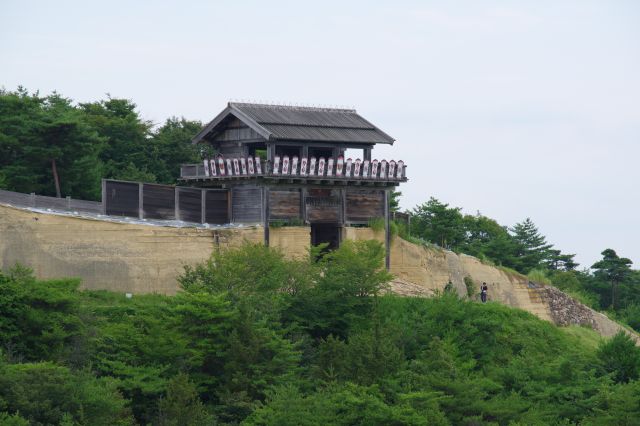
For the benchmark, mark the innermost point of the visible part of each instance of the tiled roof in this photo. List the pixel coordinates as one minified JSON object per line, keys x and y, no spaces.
{"x":294,"y":123}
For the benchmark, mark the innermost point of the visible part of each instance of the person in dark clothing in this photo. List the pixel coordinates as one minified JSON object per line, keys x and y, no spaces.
{"x":483,"y":292}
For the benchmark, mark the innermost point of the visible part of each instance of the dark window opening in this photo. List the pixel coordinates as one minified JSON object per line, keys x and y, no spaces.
{"x":258,"y":150}
{"x":325,"y":233}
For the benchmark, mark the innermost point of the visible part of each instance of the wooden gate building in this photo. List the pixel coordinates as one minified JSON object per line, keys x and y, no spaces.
{"x":291,"y":164}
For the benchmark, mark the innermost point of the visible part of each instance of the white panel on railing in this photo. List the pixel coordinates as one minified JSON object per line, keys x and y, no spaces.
{"x":212,"y":168}
{"x":236,"y":167}
{"x":223,"y":172}
{"x":383,"y":169}
{"x":330,"y":167}
{"x":303,"y":166}
{"x":339,"y":165}
{"x":285,"y":165}
{"x":250,"y":167}
{"x":276,"y":165}
{"x":357,"y":169}
{"x":374,"y":169}
{"x":206,"y":168}
{"x":312,"y":166}
{"x":321,"y":163}
{"x":347,"y":168}
{"x":243,"y":165}
{"x":365,"y":169}
{"x":229,"y":167}
{"x":400,"y":171}
{"x":392,"y":169}
{"x":258,"y":166}
{"x":294,"y":165}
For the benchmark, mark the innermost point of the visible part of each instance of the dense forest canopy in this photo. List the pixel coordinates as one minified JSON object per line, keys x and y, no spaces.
{"x":257,"y":339}
{"x":45,"y":136}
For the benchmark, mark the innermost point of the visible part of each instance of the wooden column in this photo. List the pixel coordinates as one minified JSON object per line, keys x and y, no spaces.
{"x":366,"y":153}
{"x":271,"y":153}
{"x":343,"y":209}
{"x":176,"y":202}
{"x":387,"y":231}
{"x":203,"y":205}
{"x":140,"y":201}
{"x":305,"y":151}
{"x":265,"y":201}
{"x":104,"y":196}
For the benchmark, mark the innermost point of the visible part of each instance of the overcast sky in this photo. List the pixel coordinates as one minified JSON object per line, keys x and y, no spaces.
{"x":514,"y":109}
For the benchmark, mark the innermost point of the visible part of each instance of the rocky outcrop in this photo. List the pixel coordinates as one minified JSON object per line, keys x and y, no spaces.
{"x":424,"y":271}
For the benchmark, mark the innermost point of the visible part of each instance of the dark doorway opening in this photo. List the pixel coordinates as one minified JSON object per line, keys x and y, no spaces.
{"x":328,"y":233}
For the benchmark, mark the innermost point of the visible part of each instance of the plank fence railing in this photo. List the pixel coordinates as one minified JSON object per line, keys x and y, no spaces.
{"x":66,"y":204}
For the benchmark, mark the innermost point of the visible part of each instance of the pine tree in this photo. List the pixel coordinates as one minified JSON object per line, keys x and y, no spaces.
{"x":532,"y":248}
{"x":612,"y":269}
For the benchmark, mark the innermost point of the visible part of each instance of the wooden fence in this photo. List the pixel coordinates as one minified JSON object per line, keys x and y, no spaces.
{"x":166,"y":202}
{"x":66,"y":204}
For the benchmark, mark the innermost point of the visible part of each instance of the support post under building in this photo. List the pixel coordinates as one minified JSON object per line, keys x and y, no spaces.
{"x":387,"y":232}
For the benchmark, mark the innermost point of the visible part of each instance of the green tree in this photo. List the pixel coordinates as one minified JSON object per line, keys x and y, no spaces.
{"x":47,"y":147}
{"x":532,"y":247}
{"x":126,"y":134}
{"x":394,"y":201}
{"x":620,"y":357}
{"x":170,"y":146}
{"x":182,"y":405}
{"x":438,"y":223}
{"x":612,"y":269}
{"x":45,"y":393}
{"x":484,"y":237}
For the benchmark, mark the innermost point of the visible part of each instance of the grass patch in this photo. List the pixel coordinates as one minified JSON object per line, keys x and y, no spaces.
{"x":539,"y":276}
{"x":585,"y":335}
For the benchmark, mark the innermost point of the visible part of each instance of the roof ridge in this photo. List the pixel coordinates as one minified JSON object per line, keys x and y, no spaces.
{"x":292,"y":107}
{"x":327,"y":126}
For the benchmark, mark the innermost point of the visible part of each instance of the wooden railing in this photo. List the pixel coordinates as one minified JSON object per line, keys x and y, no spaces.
{"x":32,"y":200}
{"x":285,"y":167}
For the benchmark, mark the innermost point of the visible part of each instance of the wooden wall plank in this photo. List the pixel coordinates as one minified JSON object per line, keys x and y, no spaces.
{"x":121,"y":198}
{"x":364,"y":205}
{"x":284,"y":204}
{"x":158,"y":201}
{"x":216,"y":207}
{"x":323,"y":205}
{"x":190,"y":205}
{"x":247,"y":204}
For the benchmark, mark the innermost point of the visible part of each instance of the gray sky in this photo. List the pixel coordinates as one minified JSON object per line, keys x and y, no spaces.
{"x":514,"y":109}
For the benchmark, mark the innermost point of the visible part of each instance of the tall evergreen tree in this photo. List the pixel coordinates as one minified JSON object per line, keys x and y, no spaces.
{"x":127,"y":137}
{"x":532,"y":248}
{"x":47,"y":147}
{"x":170,"y":146}
{"x":612,"y":269}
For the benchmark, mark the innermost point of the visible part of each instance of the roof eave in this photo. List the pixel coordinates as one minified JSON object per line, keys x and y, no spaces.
{"x":231,"y":110}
